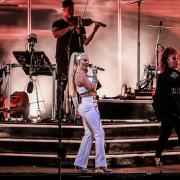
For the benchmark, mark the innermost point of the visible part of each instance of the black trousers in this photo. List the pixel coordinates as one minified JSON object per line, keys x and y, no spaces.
{"x":167,"y":126}
{"x":61,"y":86}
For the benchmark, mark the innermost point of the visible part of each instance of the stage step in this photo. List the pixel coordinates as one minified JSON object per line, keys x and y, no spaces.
{"x":114,"y":160}
{"x":113,"y":124}
{"x":127,"y":142}
{"x":78,"y":141}
{"x":71,"y":145}
{"x":72,"y":156}
{"x":112,"y":130}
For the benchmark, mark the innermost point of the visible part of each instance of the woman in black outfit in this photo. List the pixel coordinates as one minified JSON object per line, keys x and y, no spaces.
{"x":166,"y":102}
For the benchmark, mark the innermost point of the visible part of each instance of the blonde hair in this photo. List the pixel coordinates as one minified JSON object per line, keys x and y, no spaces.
{"x":70,"y":92}
{"x":71,"y":75}
{"x":75,"y":59}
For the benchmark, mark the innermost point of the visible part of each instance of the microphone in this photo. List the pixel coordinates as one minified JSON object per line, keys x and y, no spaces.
{"x":15,"y":65}
{"x":138,"y":1}
{"x":96,"y":67}
{"x":32,"y":38}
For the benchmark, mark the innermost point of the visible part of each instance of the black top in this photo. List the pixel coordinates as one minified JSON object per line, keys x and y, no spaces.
{"x":166,"y":101}
{"x":66,"y":45}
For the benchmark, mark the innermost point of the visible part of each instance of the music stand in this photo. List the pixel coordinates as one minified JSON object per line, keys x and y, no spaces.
{"x":38,"y":65}
{"x":40,"y":62}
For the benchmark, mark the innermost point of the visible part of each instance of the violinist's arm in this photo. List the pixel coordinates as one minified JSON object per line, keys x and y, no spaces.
{"x":87,"y":40}
{"x":61,"y":32}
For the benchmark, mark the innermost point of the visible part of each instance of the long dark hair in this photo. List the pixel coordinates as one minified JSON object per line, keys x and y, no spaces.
{"x":166,"y":53}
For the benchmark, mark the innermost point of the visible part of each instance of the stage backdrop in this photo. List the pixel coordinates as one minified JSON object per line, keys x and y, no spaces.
{"x":114,"y":47}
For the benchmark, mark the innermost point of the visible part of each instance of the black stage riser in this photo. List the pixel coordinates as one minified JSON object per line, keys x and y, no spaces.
{"x":73,"y":131}
{"x":141,"y":161}
{"x":126,"y":109}
{"x":72,"y":148}
{"x":23,"y":141}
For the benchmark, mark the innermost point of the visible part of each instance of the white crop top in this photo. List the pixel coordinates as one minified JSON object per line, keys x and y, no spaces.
{"x":82,"y":90}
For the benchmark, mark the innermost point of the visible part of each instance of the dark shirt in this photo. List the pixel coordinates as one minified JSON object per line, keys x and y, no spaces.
{"x":66,"y":45}
{"x":166,"y":101}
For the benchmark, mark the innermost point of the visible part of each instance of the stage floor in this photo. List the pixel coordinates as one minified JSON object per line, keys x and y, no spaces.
{"x":70,"y":173}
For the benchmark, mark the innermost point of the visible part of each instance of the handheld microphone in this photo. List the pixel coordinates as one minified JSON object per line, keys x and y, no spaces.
{"x":15,"y":65}
{"x":96,"y":67}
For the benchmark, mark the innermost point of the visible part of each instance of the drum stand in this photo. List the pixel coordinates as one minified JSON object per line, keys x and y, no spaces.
{"x":35,"y":84}
{"x":38,"y":107}
{"x":8,"y":70}
{"x":53,"y":70}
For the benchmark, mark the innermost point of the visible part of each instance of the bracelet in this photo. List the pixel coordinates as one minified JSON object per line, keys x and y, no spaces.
{"x":94,"y":80}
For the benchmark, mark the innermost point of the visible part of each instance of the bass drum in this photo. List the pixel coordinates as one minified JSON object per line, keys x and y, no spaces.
{"x":19,"y":105}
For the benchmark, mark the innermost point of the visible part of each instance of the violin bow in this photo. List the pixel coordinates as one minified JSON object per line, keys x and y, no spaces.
{"x":84,"y":9}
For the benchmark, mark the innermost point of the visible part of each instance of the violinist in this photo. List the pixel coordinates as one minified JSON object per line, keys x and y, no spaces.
{"x":71,"y":36}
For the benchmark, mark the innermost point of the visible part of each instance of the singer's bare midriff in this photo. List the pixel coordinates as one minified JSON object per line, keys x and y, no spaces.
{"x":89,"y":94}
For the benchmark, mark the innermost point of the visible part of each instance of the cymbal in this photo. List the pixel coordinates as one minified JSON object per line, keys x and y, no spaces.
{"x":126,"y":1}
{"x":155,"y":26}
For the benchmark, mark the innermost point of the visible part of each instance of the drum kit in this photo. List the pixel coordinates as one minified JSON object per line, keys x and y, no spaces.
{"x":158,"y":45}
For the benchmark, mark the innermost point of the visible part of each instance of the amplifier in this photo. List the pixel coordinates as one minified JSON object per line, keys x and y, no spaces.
{"x":143,"y":93}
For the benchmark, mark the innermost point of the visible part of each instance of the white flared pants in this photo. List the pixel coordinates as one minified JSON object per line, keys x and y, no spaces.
{"x":89,"y":112}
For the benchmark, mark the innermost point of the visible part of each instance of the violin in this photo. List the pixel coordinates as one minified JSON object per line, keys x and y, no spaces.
{"x":76,"y":20}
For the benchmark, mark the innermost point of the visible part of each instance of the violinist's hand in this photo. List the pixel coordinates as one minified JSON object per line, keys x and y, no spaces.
{"x":77,"y":29}
{"x":97,"y":25}
{"x":74,"y":28}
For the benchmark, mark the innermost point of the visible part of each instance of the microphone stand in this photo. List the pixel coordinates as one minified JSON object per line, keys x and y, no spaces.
{"x":138,"y":2}
{"x":61,"y":83}
{"x":60,"y":112}
{"x":156,"y":48}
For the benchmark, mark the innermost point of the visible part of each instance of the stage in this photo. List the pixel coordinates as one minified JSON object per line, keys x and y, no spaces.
{"x":127,"y":48}
{"x":170,"y":171}
{"x":29,"y":150}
